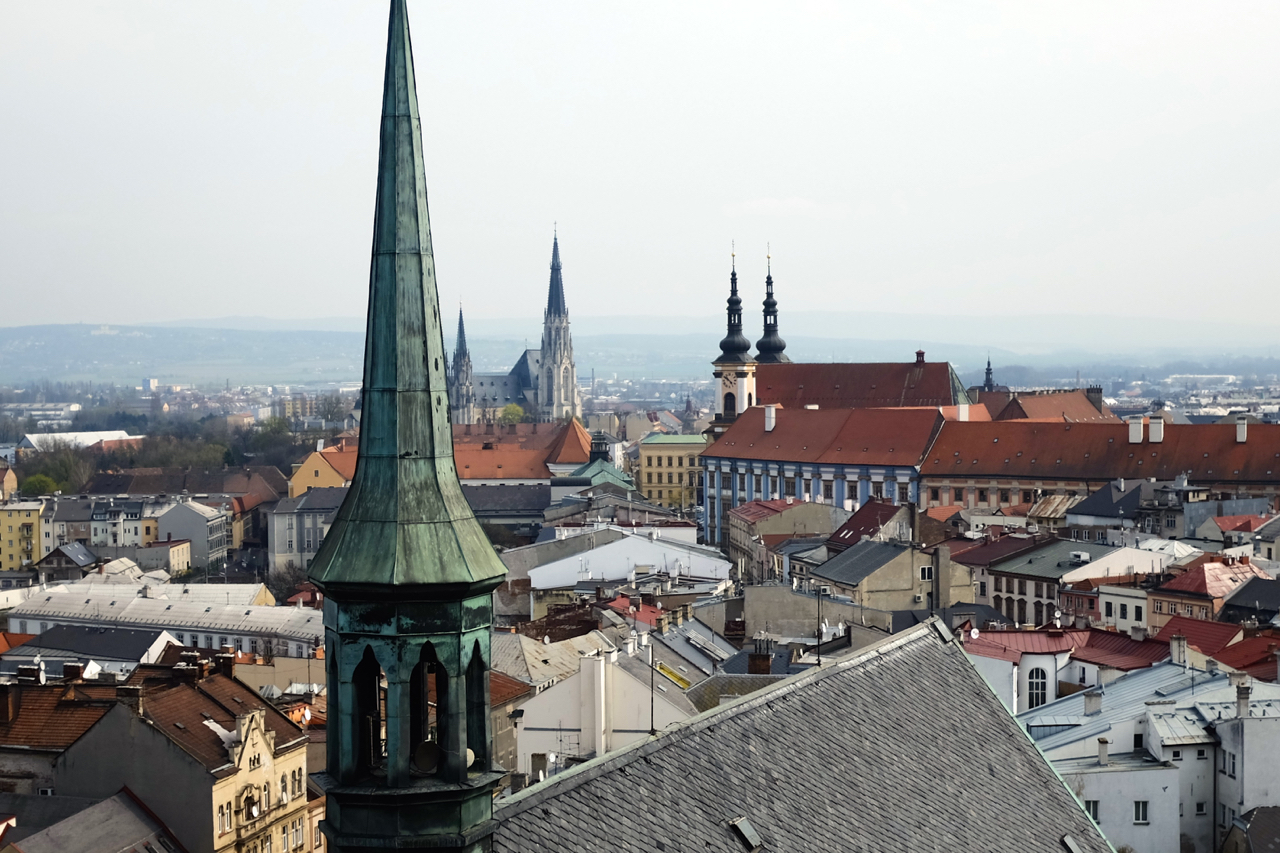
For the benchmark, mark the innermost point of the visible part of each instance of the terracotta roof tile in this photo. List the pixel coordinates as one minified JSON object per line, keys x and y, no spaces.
{"x":1209,"y":637}
{"x":860,"y":385}
{"x":503,"y":688}
{"x":54,"y":716}
{"x":1213,"y":580}
{"x":1061,"y":406}
{"x":1207,"y":453}
{"x":831,"y":436}
{"x":343,"y":459}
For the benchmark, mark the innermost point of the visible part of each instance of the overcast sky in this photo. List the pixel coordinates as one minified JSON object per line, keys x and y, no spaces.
{"x":164,"y":160}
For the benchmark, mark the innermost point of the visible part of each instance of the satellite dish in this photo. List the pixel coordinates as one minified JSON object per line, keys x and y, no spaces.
{"x":974,"y":633}
{"x":306,"y":715}
{"x":254,"y":810}
{"x":546,"y":640}
{"x":1057,"y":614}
{"x":471,"y":758}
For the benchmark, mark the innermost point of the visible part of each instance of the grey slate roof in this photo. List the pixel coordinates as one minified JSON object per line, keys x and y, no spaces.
{"x":75,"y":552}
{"x":854,"y":565}
{"x":116,"y":823}
{"x":1053,"y":560}
{"x":861,"y":754}
{"x":102,"y":643}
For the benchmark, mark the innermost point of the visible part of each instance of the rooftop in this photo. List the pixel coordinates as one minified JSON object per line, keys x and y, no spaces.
{"x":831,"y":436}
{"x":864,"y":385}
{"x":771,"y":758}
{"x":1209,"y":637}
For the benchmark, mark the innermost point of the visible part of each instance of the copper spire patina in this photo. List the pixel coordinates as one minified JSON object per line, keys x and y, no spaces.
{"x":405,"y":521}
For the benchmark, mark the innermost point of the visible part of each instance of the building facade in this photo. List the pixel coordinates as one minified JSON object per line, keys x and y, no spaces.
{"x":669,"y":469}
{"x":20,"y":534}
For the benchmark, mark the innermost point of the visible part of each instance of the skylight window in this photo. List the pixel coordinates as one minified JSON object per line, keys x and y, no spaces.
{"x":747,"y":833}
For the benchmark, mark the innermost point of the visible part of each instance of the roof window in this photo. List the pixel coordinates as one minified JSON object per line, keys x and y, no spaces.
{"x":747,"y":833}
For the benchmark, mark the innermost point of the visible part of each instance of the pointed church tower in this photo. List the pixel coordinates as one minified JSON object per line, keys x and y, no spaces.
{"x":558,"y":382}
{"x":406,"y":571}
{"x":462,"y":392}
{"x":989,"y":383}
{"x":735,"y":369}
{"x":770,"y":348}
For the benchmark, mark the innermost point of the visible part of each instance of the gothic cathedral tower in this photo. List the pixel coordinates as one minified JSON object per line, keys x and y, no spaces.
{"x":558,"y":388}
{"x":406,"y":571}
{"x":462,"y":392}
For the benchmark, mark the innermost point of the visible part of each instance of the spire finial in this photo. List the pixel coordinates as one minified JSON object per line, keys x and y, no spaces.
{"x":733,"y":256}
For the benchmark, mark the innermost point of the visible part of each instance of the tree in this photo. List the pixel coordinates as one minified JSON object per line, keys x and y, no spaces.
{"x":511,"y":414}
{"x":331,"y":407}
{"x":38,"y":484}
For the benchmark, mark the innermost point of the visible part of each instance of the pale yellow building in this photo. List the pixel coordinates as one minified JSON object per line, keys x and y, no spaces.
{"x":20,"y":535}
{"x":669,"y":469}
{"x":8,"y":481}
{"x":332,"y":467}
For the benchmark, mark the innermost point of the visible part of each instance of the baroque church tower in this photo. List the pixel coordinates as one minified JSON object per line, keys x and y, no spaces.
{"x":406,"y":571}
{"x":770,"y":349}
{"x":558,"y":386}
{"x":735,"y":369}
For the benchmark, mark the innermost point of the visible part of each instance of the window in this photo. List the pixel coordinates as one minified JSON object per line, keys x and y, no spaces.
{"x":1170,"y":522}
{"x":1202,"y":809}
{"x":1139,"y":811}
{"x":45,"y":792}
{"x":828,"y":490}
{"x":1202,"y":754}
{"x":1157,"y":606}
{"x":1231,"y":764}
{"x":997,"y":582}
{"x":1137,"y":740}
{"x":982,"y":589}
{"x":669,"y":465}
{"x":1203,"y":613}
{"x":1124,"y":610}
{"x":284,"y":790}
{"x":1222,"y":814}
{"x":1004,"y":496}
{"x":691,"y":462}
{"x":1106,"y":609}
{"x":742,"y":483}
{"x":1039,"y":589}
{"x":679,"y":461}
{"x":1091,"y":806}
{"x":877,"y":490}
{"x":789,"y":487}
{"x":759,"y":485}
{"x":648,"y":477}
{"x":1022,"y":586}
{"x":649,"y":494}
{"x":1187,"y":608}
{"x":935,"y":495}
{"x":1037,"y":688}
{"x":1137,"y":612}
{"x":221,"y":818}
{"x":958,"y":496}
{"x":982,"y":496}
{"x":648,"y":460}
{"x":222,"y":643}
{"x":670,"y":478}
{"x":926,"y":573}
{"x":1026,"y":496}
{"x":1177,"y":755}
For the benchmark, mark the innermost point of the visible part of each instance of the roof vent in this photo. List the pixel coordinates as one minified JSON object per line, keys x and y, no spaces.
{"x":747,"y":833}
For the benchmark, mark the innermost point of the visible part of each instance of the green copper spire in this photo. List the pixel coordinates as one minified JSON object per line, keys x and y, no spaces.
{"x":405,"y":521}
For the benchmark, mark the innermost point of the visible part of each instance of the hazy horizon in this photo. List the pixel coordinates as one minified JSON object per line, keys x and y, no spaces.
{"x":972,"y":161}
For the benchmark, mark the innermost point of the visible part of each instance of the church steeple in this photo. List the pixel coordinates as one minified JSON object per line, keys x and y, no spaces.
{"x":405,"y":568}
{"x":460,"y":350}
{"x":555,"y":292}
{"x":769,"y":349}
{"x":989,"y":383}
{"x":735,"y":348}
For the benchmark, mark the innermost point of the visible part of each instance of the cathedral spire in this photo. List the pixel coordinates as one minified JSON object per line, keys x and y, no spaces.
{"x":770,"y":348}
{"x":460,"y":350}
{"x":735,"y":348}
{"x":989,"y":384}
{"x":555,"y":293}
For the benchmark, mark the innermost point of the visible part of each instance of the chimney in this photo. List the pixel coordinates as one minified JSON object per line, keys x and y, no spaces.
{"x":962,"y":412}
{"x":1135,"y":429}
{"x":664,"y":622}
{"x":1178,"y":649}
{"x":187,"y":672}
{"x":226,"y":663}
{"x":686,"y":612}
{"x":679,"y":611}
{"x":919,"y":356}
{"x":1211,"y":667}
{"x":770,"y":417}
{"x":1242,"y":698}
{"x":1138,"y":632}
{"x":1157,"y":429}
{"x":130,"y":695}
{"x":10,"y":701}
{"x":1093,"y":702}
{"x":1102,"y":751}
{"x":1242,"y":428}
{"x":72,"y":671}
{"x":28,"y":674}
{"x":190,"y":656}
{"x":1094,"y":393}
{"x":760,"y":661}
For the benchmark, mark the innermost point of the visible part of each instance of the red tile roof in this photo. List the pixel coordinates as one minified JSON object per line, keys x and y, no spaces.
{"x":753,"y":511}
{"x":1094,"y":645}
{"x":1209,"y":637}
{"x":518,"y":451}
{"x":1061,"y":406}
{"x":991,"y":553}
{"x":867,"y":521}
{"x":10,"y":639}
{"x":1213,"y":580}
{"x":571,"y":447}
{"x":646,"y":613}
{"x":851,"y":386}
{"x":1244,"y":523}
{"x":54,"y":716}
{"x":1207,"y":453}
{"x":831,"y":436}
{"x":503,"y":688}
{"x":342,"y":458}
{"x":1256,"y":656}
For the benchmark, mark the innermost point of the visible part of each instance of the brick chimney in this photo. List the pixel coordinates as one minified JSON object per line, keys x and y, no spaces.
{"x":10,"y":702}
{"x":72,"y":671}
{"x":919,"y":356}
{"x":130,"y":695}
{"x":1093,"y":702}
{"x":226,"y":663}
{"x":760,"y":659}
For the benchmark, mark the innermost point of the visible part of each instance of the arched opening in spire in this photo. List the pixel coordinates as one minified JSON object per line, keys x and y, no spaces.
{"x":369,"y":683}
{"x":428,"y":712}
{"x":478,"y":709}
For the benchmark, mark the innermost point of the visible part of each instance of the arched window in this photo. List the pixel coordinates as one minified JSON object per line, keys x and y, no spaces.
{"x":1039,"y":610}
{"x":996,"y":602}
{"x":564,"y":384}
{"x":284,"y":790}
{"x":222,"y":817}
{"x":730,"y":403}
{"x":551,"y":385}
{"x":1037,"y":688}
{"x":370,"y":696}
{"x":1022,"y":611}
{"x":1008,"y":608}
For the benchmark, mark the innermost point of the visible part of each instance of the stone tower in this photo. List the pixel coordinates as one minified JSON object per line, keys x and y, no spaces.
{"x":406,"y":571}
{"x":462,"y":392}
{"x":558,"y":385}
{"x":735,"y":369}
{"x":770,"y":349}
